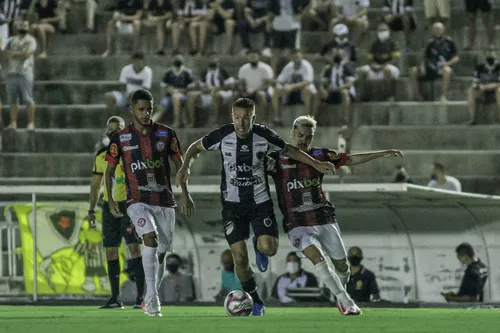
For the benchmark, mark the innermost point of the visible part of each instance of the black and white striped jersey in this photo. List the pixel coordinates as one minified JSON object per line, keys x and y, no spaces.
{"x":243,"y":174}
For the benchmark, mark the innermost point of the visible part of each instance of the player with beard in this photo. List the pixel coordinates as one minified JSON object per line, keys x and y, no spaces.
{"x":309,"y":219}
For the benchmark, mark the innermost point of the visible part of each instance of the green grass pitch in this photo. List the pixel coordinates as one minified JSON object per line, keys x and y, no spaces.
{"x":80,"y":319}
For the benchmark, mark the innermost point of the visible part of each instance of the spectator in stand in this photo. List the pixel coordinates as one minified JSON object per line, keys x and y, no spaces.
{"x":48,"y":17}
{"x":320,"y":14}
{"x":401,"y":175}
{"x":485,"y":7}
{"x":362,"y":285}
{"x":229,"y":281}
{"x":126,"y":20}
{"x":158,"y":13}
{"x":179,"y":83}
{"x":384,"y":53}
{"x":286,"y":25}
{"x":221,"y":17}
{"x":341,"y":42}
{"x":398,"y":14}
{"x":20,"y":52}
{"x":134,"y":76}
{"x":255,"y":19}
{"x":354,"y":15}
{"x":91,"y":8}
{"x":486,"y":85}
{"x":437,"y":10}
{"x":190,"y":14}
{"x":440,"y":57}
{"x":337,"y":85}
{"x":254,"y":81}
{"x":176,"y":287}
{"x":441,"y":180}
{"x":295,"y":85}
{"x":217,"y":90}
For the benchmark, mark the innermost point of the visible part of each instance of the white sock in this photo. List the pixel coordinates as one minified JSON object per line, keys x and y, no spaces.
{"x":150,"y":265}
{"x":161,"y":272}
{"x":331,"y":280}
{"x":344,"y":276}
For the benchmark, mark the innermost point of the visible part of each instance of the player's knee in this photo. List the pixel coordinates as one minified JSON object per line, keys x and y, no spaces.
{"x":111,"y":253}
{"x":135,"y":250}
{"x":150,"y":239}
{"x":268,"y":248}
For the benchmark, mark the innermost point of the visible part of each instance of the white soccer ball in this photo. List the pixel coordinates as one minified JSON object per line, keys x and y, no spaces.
{"x":238,"y":303}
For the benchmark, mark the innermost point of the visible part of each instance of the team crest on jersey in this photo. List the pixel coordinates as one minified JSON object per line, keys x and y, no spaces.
{"x":64,"y":222}
{"x":160,"y":146}
{"x":113,"y":150}
{"x":174,"y":145}
{"x":296,"y":242}
{"x":268,"y":222}
{"x":125,"y":137}
{"x":141,"y":222}
{"x":228,"y":227}
{"x":161,"y":134}
{"x":244,"y":149}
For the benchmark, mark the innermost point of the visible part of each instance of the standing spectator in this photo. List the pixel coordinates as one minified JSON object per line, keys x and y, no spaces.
{"x":20,"y":52}
{"x":255,"y":19}
{"x":229,"y":281}
{"x":485,"y":6}
{"x":49,"y":16}
{"x":437,"y":10}
{"x":354,"y":15}
{"x":221,"y":16}
{"x":134,"y":76}
{"x":401,"y":175}
{"x":398,"y":14}
{"x":126,"y":20}
{"x":286,"y":24}
{"x":176,"y":287}
{"x":158,"y":12}
{"x":440,"y":57}
{"x":91,"y":8}
{"x":337,"y":85}
{"x":384,"y":53}
{"x":340,"y":41}
{"x":441,"y":180}
{"x":486,"y":85}
{"x":362,"y":284}
{"x":190,"y":14}
{"x":217,"y":89}
{"x":295,"y":277}
{"x":295,"y":85}
{"x":474,"y":280}
{"x":177,"y":81}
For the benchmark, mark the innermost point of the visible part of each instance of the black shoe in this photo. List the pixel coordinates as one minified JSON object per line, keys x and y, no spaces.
{"x":113,"y":303}
{"x":138,"y":303}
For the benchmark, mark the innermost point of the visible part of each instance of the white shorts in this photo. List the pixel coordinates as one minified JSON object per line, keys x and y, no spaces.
{"x":325,"y":237}
{"x":120,"y":98}
{"x":376,"y":76}
{"x":124,"y":28}
{"x":207,"y":98}
{"x":148,"y":218}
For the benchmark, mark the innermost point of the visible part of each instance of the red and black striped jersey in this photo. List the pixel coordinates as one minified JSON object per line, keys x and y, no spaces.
{"x":146,"y":163}
{"x":299,"y":189}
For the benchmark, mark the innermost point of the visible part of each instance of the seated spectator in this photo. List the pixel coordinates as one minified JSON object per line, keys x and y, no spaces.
{"x":295,"y":277}
{"x":48,"y":18}
{"x":362,"y":285}
{"x":190,"y":14}
{"x":319,"y":14}
{"x":486,"y":85}
{"x":340,"y":41}
{"x":221,"y":17}
{"x":485,"y":6}
{"x":229,"y":281}
{"x":354,"y":15}
{"x":337,"y":84}
{"x":384,"y":53}
{"x":440,"y":57}
{"x":441,"y":180}
{"x":255,"y":19}
{"x":134,"y":76}
{"x":126,"y":20}
{"x":286,"y":25}
{"x":254,"y":80}
{"x":178,"y":80}
{"x":401,"y":175}
{"x":437,"y":10}
{"x":474,"y":280}
{"x":217,"y":89}
{"x":295,"y":85}
{"x":158,"y":12}
{"x":176,"y":287}
{"x":398,"y":14}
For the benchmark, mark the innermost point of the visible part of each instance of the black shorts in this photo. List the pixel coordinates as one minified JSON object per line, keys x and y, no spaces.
{"x":220,"y":24}
{"x":335,"y":98}
{"x":284,"y":39}
{"x":396,"y":24}
{"x":114,"y":229}
{"x":473,"y":6}
{"x":238,"y":217}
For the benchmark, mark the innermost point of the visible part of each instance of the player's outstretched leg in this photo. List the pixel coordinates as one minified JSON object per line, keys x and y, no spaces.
{"x":152,"y":305}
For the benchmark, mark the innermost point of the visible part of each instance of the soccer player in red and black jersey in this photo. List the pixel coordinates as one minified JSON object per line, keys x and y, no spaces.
{"x":145,"y":148}
{"x":309,"y":219}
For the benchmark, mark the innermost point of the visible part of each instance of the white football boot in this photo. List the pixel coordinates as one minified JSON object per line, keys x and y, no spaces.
{"x":152,"y":306}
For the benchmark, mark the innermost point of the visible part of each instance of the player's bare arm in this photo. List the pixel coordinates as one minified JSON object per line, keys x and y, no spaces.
{"x":298,"y":155}
{"x":108,"y":179}
{"x":187,"y":203}
{"x":354,"y":159}
{"x":183,"y":173}
{"x":95,"y":188}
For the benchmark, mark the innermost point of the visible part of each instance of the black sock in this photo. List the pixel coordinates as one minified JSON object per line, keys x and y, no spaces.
{"x":131,"y":269}
{"x":251,"y":288}
{"x":139,"y":276}
{"x":114,"y":277}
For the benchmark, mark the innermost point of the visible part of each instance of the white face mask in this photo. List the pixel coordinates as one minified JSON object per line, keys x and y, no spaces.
{"x":292,"y":267}
{"x":383,"y":35}
{"x":105,"y":141}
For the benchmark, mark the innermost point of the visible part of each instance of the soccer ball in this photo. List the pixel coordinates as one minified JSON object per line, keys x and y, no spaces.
{"x":238,"y":303}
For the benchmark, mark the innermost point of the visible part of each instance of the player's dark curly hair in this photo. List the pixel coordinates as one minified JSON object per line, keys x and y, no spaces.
{"x":244,"y":103}
{"x":141,"y":95}
{"x":465,"y":249}
{"x":174,"y":256}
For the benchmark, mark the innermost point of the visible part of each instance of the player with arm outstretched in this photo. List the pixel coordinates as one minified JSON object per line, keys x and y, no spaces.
{"x":245,"y":196}
{"x":145,"y":148}
{"x":309,"y":219}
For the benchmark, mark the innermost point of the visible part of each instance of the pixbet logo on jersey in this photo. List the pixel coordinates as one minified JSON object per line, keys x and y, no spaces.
{"x":146,"y":165}
{"x":304,"y":183}
{"x":243,"y":167}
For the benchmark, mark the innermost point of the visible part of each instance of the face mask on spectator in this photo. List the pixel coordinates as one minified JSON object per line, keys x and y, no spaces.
{"x":491,"y":60}
{"x":172,"y":267}
{"x":292,"y":267}
{"x":342,"y":40}
{"x":212,"y":64}
{"x":383,"y":35}
{"x":355,"y":260}
{"x":337,"y":58}
{"x":23,"y":32}
{"x":177,"y":63}
{"x":254,"y":63}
